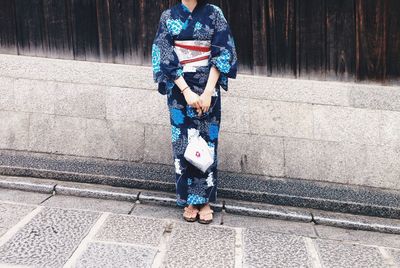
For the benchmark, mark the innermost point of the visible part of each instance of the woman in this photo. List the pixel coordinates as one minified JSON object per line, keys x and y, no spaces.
{"x":193,"y":55}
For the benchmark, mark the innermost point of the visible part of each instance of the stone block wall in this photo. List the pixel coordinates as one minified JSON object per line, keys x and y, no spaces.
{"x":314,"y":130}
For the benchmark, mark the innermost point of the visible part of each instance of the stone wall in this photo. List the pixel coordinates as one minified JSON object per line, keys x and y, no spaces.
{"x":314,"y":130}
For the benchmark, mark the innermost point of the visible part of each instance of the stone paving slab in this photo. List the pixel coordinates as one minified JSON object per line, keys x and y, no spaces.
{"x":132,"y":229}
{"x":20,"y":196}
{"x":267,"y":249}
{"x":160,"y":212}
{"x":195,"y":245}
{"x":358,"y":236}
{"x":115,"y":255}
{"x":10,"y":214}
{"x":157,"y":235}
{"x":77,"y":202}
{"x":48,"y":239}
{"x":273,"y":225}
{"x":395,"y":254}
{"x":335,"y":254}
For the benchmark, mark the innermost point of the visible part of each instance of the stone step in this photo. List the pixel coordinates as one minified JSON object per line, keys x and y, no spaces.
{"x":333,"y":197}
{"x":227,"y":205}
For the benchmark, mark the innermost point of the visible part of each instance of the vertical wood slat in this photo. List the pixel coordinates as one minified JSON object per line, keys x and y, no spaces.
{"x":125,"y":31}
{"x":260,"y":34}
{"x":340,"y":41}
{"x":55,"y":32}
{"x":371,"y":45}
{"x":8,"y":33}
{"x":281,"y":29}
{"x":311,"y":39}
{"x":104,"y":31}
{"x":241,"y":27}
{"x":393,"y":40}
{"x":30,"y":28}
{"x":85,"y":34}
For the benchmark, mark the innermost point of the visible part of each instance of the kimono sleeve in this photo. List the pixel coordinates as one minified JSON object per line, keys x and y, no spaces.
{"x":165,"y":62}
{"x":223,"y":50}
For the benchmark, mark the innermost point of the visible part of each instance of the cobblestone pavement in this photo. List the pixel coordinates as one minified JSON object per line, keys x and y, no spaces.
{"x":44,"y":230}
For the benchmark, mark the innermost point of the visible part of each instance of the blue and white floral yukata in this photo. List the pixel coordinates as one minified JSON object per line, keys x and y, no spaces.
{"x":187,"y":44}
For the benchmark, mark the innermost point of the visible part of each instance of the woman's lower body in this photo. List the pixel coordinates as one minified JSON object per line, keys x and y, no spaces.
{"x":193,"y":187}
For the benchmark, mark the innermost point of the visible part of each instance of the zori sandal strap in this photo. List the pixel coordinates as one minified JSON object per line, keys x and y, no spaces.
{"x":190,"y":214}
{"x":205,"y":212}
{"x":204,"y":216}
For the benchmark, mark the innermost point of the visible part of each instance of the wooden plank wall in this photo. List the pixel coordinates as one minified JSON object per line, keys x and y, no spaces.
{"x":346,"y":40}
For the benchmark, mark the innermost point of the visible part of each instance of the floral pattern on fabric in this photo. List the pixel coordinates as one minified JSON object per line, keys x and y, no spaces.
{"x":175,"y":26}
{"x":165,"y":63}
{"x":192,"y":185}
{"x":204,"y":24}
{"x":223,"y":49}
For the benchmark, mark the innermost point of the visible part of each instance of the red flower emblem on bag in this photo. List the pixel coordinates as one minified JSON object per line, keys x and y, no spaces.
{"x":197,"y":153}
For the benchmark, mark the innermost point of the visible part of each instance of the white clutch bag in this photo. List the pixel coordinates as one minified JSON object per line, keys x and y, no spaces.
{"x":199,"y":154}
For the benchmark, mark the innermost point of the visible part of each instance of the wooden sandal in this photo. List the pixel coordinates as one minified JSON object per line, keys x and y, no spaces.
{"x":206,"y":216}
{"x":190,"y":214}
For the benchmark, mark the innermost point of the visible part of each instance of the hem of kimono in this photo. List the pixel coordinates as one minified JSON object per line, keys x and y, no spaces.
{"x":183,"y":204}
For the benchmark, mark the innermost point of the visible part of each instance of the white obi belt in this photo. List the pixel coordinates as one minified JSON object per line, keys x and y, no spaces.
{"x":192,"y":53}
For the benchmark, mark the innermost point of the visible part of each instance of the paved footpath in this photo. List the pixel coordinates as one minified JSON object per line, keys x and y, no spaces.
{"x":44,"y":230}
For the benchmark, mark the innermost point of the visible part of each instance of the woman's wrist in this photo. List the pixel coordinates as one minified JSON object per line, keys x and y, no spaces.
{"x":184,"y":89}
{"x":209,"y":90}
{"x":182,"y":85}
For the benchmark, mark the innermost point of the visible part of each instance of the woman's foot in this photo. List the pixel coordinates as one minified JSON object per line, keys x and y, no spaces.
{"x":190,"y":213}
{"x":205,"y":214}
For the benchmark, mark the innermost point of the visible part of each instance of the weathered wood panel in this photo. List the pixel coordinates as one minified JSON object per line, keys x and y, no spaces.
{"x":260,"y":45}
{"x":30,"y":27}
{"x":371,"y":41}
{"x":104,"y":30}
{"x":8,"y":34}
{"x":56,"y":41}
{"x":311,"y":40}
{"x":340,"y":40}
{"x":84,"y":29}
{"x":320,"y":39}
{"x":281,"y":32}
{"x":393,"y":40}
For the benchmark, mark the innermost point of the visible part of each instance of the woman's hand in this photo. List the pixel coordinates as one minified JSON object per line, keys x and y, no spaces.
{"x":205,"y":100}
{"x":192,"y":99}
